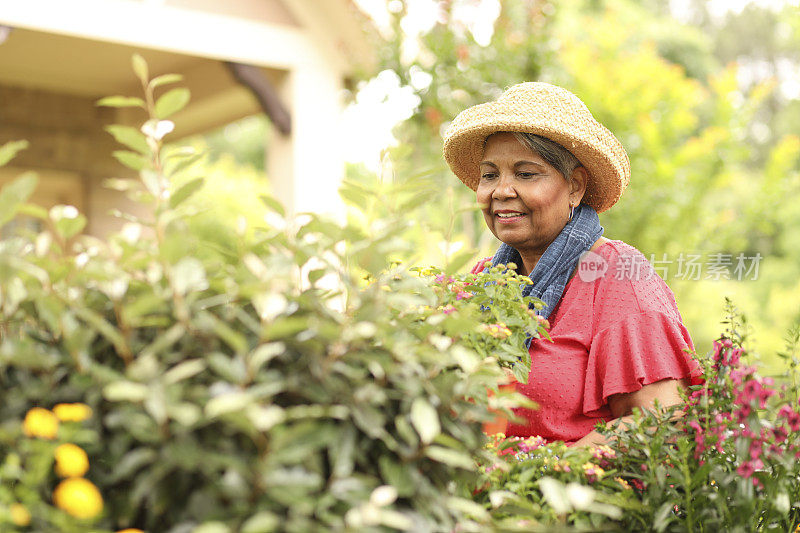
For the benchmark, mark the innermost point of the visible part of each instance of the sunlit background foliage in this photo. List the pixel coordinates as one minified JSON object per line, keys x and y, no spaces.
{"x":705,"y":98}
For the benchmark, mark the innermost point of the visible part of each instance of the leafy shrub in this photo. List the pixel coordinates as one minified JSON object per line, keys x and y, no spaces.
{"x":259,"y":386}
{"x":728,"y":463}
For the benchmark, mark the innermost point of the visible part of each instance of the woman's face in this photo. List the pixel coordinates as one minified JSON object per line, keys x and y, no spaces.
{"x":525,"y":200}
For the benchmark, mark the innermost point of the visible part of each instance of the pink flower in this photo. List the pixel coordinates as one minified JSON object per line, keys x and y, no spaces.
{"x":738,"y":374}
{"x":743,"y":412}
{"x":447,"y":309}
{"x":531,"y":443}
{"x":724,"y":354}
{"x":792,"y":417}
{"x":748,"y":468}
{"x":755,"y":449}
{"x":463,"y":295}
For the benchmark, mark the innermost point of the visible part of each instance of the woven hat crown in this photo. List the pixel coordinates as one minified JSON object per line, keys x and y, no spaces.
{"x":552,"y":112}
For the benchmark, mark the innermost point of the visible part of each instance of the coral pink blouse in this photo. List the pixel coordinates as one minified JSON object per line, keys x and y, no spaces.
{"x":616,"y":329}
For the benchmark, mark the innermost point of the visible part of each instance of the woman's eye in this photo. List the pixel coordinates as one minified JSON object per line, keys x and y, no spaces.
{"x":527,"y":175}
{"x":488,"y":175}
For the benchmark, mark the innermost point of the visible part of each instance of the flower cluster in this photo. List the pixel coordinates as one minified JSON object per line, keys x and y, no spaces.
{"x":735,"y":439}
{"x":75,"y":495}
{"x":498,"y":331}
{"x":593,"y":472}
{"x":728,"y":410}
{"x":603,"y":454}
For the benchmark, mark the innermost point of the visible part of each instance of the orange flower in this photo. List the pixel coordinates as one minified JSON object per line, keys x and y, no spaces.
{"x":20,"y":514}
{"x":40,"y":423}
{"x":72,"y":412}
{"x":71,"y":461}
{"x":78,"y":497}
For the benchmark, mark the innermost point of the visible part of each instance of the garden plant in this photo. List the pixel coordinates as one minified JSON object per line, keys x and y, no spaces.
{"x":302,"y":378}
{"x":292,"y":380}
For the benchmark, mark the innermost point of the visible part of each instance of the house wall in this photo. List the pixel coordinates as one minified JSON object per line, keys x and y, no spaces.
{"x":306,"y":47}
{"x":69,"y":150}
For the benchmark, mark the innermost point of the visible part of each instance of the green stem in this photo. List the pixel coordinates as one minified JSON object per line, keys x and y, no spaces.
{"x":687,"y":494}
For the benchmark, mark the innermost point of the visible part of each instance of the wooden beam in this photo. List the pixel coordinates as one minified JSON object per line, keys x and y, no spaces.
{"x":151,"y":25}
{"x":254,"y":79}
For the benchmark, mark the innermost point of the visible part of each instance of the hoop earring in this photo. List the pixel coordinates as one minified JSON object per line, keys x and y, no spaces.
{"x":571,"y":212}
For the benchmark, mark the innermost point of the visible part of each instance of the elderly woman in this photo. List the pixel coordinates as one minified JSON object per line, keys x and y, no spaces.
{"x":543,"y":168}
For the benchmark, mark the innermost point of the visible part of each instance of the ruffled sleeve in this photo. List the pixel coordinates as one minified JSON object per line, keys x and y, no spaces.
{"x":635,"y":351}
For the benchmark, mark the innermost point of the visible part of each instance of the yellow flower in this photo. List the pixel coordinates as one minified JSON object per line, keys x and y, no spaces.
{"x":20,"y":514}
{"x":622,"y":482}
{"x":593,"y":472}
{"x":71,"y":461}
{"x":130,"y":530}
{"x":78,"y":497}
{"x":40,"y":423}
{"x":72,"y":412}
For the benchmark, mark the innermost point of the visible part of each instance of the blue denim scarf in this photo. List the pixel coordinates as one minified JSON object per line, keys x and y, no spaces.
{"x":552,"y":272}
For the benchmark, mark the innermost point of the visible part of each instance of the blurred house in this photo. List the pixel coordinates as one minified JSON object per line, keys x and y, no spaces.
{"x":288,"y":58}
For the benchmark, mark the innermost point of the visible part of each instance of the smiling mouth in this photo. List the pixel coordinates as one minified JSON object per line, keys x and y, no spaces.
{"x":509,"y":215}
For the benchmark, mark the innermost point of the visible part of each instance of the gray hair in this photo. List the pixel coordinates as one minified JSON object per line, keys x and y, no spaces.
{"x":559,"y":157}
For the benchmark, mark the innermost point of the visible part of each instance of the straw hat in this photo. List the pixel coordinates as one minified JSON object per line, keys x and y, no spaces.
{"x":551,"y":112}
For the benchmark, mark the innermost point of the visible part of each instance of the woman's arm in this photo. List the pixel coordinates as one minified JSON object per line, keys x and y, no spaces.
{"x":665,"y":391}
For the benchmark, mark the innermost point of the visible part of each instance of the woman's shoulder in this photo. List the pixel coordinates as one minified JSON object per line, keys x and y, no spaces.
{"x":623,"y":277}
{"x":613,"y":249}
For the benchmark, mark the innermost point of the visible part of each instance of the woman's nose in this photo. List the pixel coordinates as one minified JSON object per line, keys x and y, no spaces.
{"x":504,"y":188}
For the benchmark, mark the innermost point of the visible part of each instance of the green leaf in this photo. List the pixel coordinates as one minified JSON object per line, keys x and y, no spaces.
{"x":555,"y":493}
{"x":189,"y":275}
{"x":130,"y":137}
{"x":450,"y":457}
{"x":14,"y":194}
{"x":185,"y":192}
{"x":140,"y":68}
{"x":120,"y":101}
{"x":396,"y":475}
{"x":425,"y":420}
{"x":10,"y":149}
{"x":172,"y":101}
{"x":663,"y":516}
{"x":261,"y":522}
{"x":68,"y":221}
{"x":165,"y":79}
{"x":342,"y":453}
{"x":131,"y":160}
{"x":228,"y":368}
{"x":212,"y":527}
{"x":227,"y":403}
{"x":263,"y":354}
{"x":315,"y":275}
{"x":103,"y":326}
{"x":468,"y":507}
{"x":125,"y":391}
{"x":183,"y":370}
{"x":156,"y":404}
{"x":32,"y":210}
{"x":273,"y":204}
{"x":264,"y":418}
{"x":131,"y":462}
{"x":184,"y":163}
